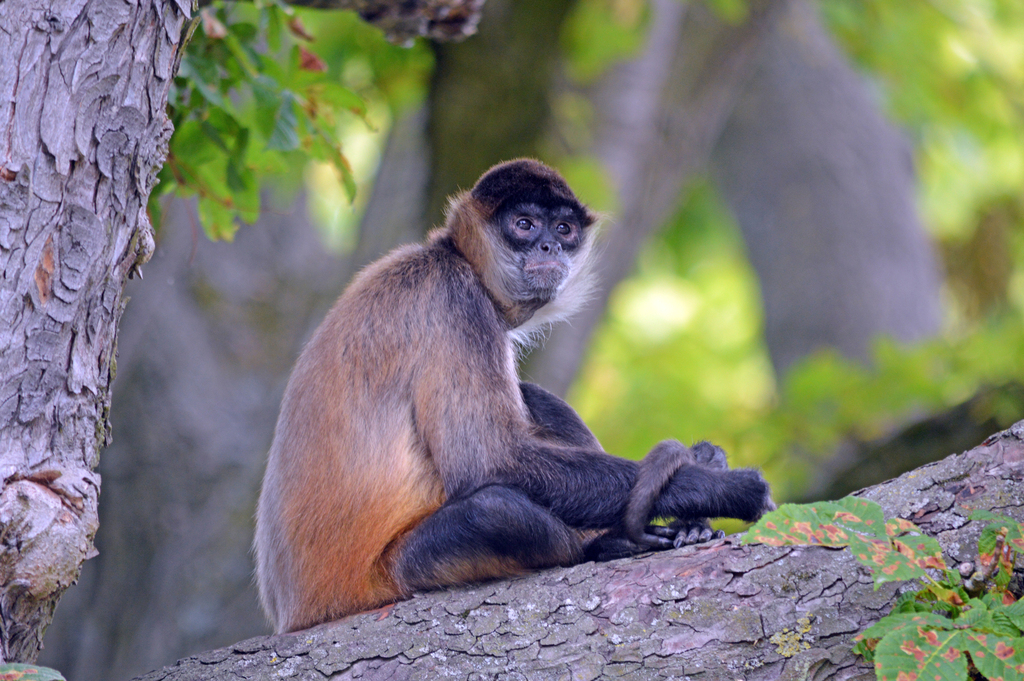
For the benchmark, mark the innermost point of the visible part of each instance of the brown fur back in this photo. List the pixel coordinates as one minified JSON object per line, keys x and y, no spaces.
{"x":347,"y":475}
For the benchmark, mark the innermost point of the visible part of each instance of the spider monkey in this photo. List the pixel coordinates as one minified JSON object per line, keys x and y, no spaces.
{"x":408,"y":455}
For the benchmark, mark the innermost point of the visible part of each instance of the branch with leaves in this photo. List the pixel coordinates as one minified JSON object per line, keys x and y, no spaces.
{"x":959,"y":624}
{"x":250,"y":98}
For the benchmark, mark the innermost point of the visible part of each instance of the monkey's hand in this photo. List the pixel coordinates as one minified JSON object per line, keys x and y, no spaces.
{"x":713,"y":457}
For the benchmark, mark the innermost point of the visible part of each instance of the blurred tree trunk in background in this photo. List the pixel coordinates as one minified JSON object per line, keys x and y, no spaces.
{"x":823,"y":188}
{"x":394,"y":214}
{"x":821,"y":184}
{"x":490,"y":99}
{"x":659,"y":117}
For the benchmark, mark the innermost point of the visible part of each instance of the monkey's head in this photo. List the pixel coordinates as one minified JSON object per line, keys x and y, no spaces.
{"x":526,"y":235}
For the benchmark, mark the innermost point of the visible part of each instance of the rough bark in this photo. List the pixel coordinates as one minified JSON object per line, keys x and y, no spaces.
{"x":83,"y":131}
{"x":659,"y":119}
{"x":720,"y":610}
{"x":824,"y":190}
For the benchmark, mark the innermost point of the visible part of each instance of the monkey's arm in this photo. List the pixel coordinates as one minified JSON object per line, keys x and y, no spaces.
{"x":555,"y":418}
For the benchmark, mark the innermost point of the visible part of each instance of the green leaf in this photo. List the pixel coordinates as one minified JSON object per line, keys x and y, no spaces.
{"x":1000,"y":624}
{"x":976,"y":612}
{"x":996,"y":657}
{"x":1015,"y":613}
{"x":28,"y":672}
{"x":204,"y":82}
{"x":218,"y":220}
{"x":271,"y":27}
{"x":285,"y":134}
{"x":921,"y":653}
{"x":191,"y":143}
{"x":868,"y":639}
{"x":885,"y":563}
{"x":893,"y":551}
{"x":999,"y":525}
{"x":338,"y":96}
{"x":811,"y":524}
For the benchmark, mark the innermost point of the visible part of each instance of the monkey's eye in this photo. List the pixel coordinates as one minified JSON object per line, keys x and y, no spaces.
{"x":563,"y":229}
{"x":524,"y":224}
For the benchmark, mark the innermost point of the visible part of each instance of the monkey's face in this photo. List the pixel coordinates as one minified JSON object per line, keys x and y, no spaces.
{"x":543,"y":242}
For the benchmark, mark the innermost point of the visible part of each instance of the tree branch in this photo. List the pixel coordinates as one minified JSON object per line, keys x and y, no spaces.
{"x":721,"y":609}
{"x":401,"y":22}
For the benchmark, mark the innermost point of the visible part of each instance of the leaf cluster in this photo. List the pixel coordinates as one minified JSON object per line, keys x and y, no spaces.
{"x":249,"y":93}
{"x":951,"y":628}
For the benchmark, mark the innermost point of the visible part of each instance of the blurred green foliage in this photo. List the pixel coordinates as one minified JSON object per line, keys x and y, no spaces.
{"x":952,"y":71}
{"x":681,"y":353}
{"x":600,"y":33}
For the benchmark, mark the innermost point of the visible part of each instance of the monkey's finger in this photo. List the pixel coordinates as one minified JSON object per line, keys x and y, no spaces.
{"x":687,"y":537}
{"x":656,"y":542}
{"x":661,"y":531}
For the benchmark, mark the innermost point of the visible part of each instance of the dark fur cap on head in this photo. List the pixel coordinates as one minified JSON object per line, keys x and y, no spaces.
{"x":525,"y":180}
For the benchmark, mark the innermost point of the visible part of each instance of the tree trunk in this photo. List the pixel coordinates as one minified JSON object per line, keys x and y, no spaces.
{"x":824,"y":190}
{"x":661,"y":116}
{"x":720,"y":609}
{"x":476,"y":121}
{"x":83,"y":131}
{"x":206,"y":348}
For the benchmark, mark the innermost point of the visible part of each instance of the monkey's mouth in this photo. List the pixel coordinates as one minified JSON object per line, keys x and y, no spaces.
{"x":545,"y":274}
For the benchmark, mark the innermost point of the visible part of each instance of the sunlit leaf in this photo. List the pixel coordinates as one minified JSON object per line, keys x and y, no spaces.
{"x":218,"y":220}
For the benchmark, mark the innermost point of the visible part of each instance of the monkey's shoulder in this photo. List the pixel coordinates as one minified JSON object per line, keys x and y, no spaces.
{"x":434,"y":271}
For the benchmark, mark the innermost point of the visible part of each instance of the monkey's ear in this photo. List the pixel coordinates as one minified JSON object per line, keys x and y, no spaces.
{"x":525,"y":180}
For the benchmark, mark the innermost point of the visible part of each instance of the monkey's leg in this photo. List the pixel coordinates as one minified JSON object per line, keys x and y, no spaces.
{"x":494,"y":532}
{"x":557,"y":420}
{"x":653,"y":474}
{"x":696,"y":492}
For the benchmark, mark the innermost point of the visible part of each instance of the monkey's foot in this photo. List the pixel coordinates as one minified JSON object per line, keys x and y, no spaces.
{"x":689,"y":532}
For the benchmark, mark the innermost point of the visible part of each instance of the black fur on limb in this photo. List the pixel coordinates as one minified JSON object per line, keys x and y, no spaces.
{"x":720,"y":610}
